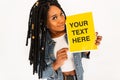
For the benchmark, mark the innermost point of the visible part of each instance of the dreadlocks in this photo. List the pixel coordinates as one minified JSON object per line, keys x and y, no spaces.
{"x":37,"y":33}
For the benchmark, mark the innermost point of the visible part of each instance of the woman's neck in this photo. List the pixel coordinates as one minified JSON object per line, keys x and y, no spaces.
{"x":57,"y":34}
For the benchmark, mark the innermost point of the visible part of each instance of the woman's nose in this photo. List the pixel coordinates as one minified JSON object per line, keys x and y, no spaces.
{"x":62,"y":19}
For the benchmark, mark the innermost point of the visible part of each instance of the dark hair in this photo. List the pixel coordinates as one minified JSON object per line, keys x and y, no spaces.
{"x":37,"y":33}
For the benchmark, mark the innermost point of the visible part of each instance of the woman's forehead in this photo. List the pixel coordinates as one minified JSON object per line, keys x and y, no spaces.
{"x":53,"y":10}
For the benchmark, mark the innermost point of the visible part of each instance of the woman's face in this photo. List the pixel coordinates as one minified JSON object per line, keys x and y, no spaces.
{"x":55,"y":20}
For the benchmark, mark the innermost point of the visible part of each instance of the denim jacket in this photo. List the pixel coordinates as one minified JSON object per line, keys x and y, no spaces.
{"x":49,"y":73}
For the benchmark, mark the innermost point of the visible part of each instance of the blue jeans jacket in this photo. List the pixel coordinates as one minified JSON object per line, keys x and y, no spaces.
{"x":49,"y":73}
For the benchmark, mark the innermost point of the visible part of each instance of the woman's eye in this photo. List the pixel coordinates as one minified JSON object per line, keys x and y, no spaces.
{"x":54,"y":18}
{"x":62,"y":14}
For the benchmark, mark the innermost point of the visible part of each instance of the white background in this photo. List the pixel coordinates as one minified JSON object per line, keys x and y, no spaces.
{"x":104,"y":63}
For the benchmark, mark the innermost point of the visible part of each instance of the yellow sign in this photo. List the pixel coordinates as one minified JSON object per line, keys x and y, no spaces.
{"x":81,"y":33}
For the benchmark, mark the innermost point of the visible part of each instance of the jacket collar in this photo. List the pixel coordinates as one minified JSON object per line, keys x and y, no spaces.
{"x":49,"y":39}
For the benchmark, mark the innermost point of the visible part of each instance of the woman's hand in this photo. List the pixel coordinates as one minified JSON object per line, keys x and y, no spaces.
{"x":61,"y":56}
{"x":98,"y":39}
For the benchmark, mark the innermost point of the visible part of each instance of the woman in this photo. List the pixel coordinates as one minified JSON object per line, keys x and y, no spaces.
{"x":49,"y":51}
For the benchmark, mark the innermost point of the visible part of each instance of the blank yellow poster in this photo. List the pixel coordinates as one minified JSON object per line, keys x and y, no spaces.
{"x":81,"y":32}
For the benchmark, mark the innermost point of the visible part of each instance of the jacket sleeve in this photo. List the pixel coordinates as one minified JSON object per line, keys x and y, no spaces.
{"x":84,"y":55}
{"x":49,"y":72}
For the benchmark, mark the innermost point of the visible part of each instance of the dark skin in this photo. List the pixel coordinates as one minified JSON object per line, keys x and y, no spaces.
{"x":56,"y":26}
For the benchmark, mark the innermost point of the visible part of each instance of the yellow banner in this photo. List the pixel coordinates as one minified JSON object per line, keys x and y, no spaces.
{"x":81,"y":33}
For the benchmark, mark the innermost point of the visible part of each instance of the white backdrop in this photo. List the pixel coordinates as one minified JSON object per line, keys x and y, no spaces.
{"x":104,"y":63}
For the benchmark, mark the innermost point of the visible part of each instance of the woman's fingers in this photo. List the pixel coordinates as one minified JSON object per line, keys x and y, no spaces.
{"x":62,"y":54}
{"x":62,"y":50}
{"x":98,"y":39}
